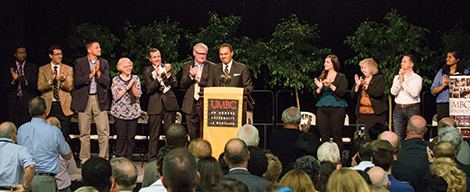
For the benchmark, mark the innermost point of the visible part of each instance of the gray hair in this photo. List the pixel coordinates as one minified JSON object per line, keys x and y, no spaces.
{"x":122,"y":172}
{"x":249,"y":134}
{"x":7,"y":129}
{"x":291,"y":116}
{"x":329,"y":151}
{"x":200,"y":45}
{"x":451,"y":134}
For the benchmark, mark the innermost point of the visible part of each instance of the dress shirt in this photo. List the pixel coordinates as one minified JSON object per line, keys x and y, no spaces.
{"x":229,"y":66}
{"x":408,"y":91}
{"x":13,"y":160}
{"x":155,"y":76}
{"x":45,"y":142}
{"x":201,"y":67}
{"x":58,"y":72}
{"x":18,"y":65}
{"x":93,"y":88}
{"x":443,"y":96}
{"x":157,"y":186}
{"x":63,"y":178}
{"x":363,"y":165}
{"x":121,"y":107}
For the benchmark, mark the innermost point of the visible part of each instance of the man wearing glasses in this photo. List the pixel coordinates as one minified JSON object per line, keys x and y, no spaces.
{"x":195,"y":75}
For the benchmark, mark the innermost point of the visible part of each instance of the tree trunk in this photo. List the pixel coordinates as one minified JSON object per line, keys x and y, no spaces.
{"x":390,"y":112}
{"x":297,"y":97}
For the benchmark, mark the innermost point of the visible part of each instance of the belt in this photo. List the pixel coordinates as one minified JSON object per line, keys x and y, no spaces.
{"x":407,"y":105}
{"x":45,"y":174}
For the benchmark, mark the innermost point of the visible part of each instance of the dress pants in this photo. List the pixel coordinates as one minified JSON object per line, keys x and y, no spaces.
{"x":330,"y":124}
{"x":155,"y":123}
{"x":370,"y":119}
{"x":56,"y":111}
{"x":401,"y":117}
{"x":20,"y":113}
{"x":125,"y":142}
{"x":43,"y":183}
{"x":442,"y":110}
{"x":193,"y":120}
{"x":93,"y":111}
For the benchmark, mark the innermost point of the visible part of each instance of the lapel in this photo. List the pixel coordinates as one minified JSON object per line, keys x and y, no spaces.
{"x":48,"y":71}
{"x":205,"y":70}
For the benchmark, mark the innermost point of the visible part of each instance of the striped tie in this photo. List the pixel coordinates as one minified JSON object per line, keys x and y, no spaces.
{"x":56,"y":85}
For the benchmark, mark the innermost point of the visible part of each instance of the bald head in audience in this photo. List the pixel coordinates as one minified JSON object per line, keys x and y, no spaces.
{"x":378,"y":176}
{"x":416,"y":127}
{"x":249,"y":134}
{"x":236,"y":154}
{"x":393,"y":139}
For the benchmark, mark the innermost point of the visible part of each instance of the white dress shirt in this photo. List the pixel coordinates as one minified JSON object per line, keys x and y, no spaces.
{"x":408,"y":91}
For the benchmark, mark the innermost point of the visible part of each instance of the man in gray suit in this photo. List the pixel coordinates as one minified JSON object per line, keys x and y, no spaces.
{"x":230,"y":73}
{"x":236,"y":155}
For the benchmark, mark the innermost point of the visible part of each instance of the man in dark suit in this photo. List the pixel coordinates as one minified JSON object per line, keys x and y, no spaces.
{"x":195,"y":75}
{"x":230,"y":73}
{"x":159,"y":81}
{"x":236,"y":155}
{"x":90,"y":98}
{"x":21,"y":87}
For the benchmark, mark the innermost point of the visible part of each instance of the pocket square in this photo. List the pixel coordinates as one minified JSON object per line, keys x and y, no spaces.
{"x":236,"y":74}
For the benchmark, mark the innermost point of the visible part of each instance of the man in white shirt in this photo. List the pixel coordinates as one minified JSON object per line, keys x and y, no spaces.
{"x":406,"y":88}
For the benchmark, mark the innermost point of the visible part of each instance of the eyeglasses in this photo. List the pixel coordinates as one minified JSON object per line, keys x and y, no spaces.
{"x":200,"y":53}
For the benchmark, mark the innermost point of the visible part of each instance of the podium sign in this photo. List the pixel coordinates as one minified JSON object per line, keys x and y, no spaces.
{"x":459,"y":102}
{"x":223,"y":115}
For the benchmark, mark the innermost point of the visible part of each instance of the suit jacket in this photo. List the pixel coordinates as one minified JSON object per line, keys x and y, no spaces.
{"x":253,"y":182}
{"x":29,"y":90}
{"x":376,"y":91}
{"x":158,"y":99}
{"x":188,"y":83}
{"x":65,"y":88}
{"x":82,"y":82}
{"x":240,"y":76}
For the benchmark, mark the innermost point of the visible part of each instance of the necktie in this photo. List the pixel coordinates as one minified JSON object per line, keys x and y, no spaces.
{"x":20,"y":71}
{"x":56,"y":85}
{"x":196,"y":85}
{"x":226,"y":70}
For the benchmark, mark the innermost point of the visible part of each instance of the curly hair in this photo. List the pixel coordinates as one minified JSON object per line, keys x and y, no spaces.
{"x":446,"y":168}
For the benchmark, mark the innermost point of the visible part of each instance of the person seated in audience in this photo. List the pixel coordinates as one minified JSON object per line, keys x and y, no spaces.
{"x":229,"y":185}
{"x":210,"y":172}
{"x":273,"y":172}
{"x":157,"y":186}
{"x":249,"y":134}
{"x":365,"y":176}
{"x":298,"y":181}
{"x":179,"y":171}
{"x":378,"y":188}
{"x":382,"y":156}
{"x":257,"y":163}
{"x":364,"y":155}
{"x":200,"y":148}
{"x":345,"y":179}
{"x":65,"y":166}
{"x":378,"y":176}
{"x":277,"y":187}
{"x":413,"y":155}
{"x":175,"y":135}
{"x":96,"y":175}
{"x":326,"y":168}
{"x":446,"y":176}
{"x":448,"y":132}
{"x":393,"y":139}
{"x":124,"y":174}
{"x":236,"y":156}
{"x":306,"y":144}
{"x":447,"y":149}
{"x":310,"y":166}
{"x":282,"y":140}
{"x":329,"y":151}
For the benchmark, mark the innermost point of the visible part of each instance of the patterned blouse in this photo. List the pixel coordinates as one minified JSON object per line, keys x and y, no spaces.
{"x":121,"y":107}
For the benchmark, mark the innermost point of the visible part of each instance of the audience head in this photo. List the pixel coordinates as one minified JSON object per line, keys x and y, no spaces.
{"x":378,"y":188}
{"x":365,"y":176}
{"x":447,"y":169}
{"x":277,"y":187}
{"x":8,"y":130}
{"x":249,"y":134}
{"x":228,"y":185}
{"x":416,"y":126}
{"x":393,"y":139}
{"x":346,"y":179}
{"x":297,"y":180}
{"x":124,"y":174}
{"x":326,"y":168}
{"x":210,"y":172}
{"x":291,"y":116}
{"x":274,"y":168}
{"x":236,"y":153}
{"x":382,"y":154}
{"x":37,"y":107}
{"x":451,"y":134}
{"x":258,"y":163}
{"x":200,"y":148}
{"x":329,"y":151}
{"x":365,"y":150}
{"x":310,"y":166}
{"x":306,"y":144}
{"x":446,"y":121}
{"x":54,"y":122}
{"x":96,"y":172}
{"x":176,"y":135}
{"x":444,"y":149}
{"x":369,"y":67}
{"x":376,"y":129}
{"x":161,"y":155}
{"x":378,"y":176}
{"x":179,"y":171}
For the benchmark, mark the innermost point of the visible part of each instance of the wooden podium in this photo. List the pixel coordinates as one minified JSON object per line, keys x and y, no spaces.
{"x":224,"y":110}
